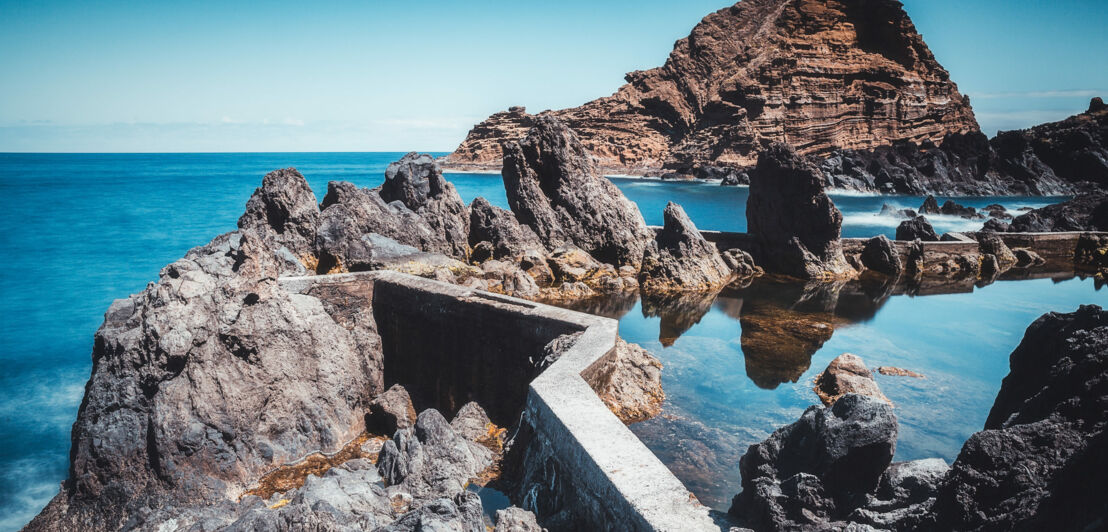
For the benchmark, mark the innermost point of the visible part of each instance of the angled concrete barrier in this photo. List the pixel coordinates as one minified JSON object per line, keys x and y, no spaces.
{"x":584,"y":468}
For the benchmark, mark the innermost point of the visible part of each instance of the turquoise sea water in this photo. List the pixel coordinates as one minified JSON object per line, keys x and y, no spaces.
{"x":81,"y":230}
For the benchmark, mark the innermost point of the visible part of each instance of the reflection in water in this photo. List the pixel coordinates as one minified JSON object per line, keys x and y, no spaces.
{"x":740,"y":367}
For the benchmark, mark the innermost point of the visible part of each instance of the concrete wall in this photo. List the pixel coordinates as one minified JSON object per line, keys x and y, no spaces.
{"x":582,"y":468}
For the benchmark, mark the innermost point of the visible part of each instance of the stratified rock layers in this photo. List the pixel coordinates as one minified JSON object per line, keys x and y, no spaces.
{"x":817,"y":74}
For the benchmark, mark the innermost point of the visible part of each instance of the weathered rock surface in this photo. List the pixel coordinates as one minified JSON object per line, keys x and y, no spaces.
{"x":1043,"y":444}
{"x":507,"y":238}
{"x":629,"y":381}
{"x":1086,"y":212}
{"x":680,"y":259}
{"x":847,"y":373}
{"x":430,"y":459}
{"x":553,"y":186}
{"x":516,"y":520}
{"x":390,"y":411}
{"x":795,"y":227}
{"x":284,"y":209}
{"x":880,"y":255}
{"x":952,"y":208}
{"x":417,"y":182}
{"x":930,"y":206}
{"x":849,"y":74}
{"x":917,"y":228}
{"x":1056,"y":158}
{"x":819,"y":468}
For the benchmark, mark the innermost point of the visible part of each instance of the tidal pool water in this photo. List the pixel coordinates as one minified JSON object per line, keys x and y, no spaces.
{"x":80,"y":230}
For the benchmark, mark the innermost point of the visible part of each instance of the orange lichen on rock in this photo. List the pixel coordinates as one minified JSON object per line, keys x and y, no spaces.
{"x":292,"y":476}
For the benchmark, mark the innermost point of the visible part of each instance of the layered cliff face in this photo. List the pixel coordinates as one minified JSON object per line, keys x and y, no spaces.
{"x":816,"y":74}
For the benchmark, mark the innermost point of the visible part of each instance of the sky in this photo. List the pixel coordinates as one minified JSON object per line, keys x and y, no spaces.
{"x":91,"y":76}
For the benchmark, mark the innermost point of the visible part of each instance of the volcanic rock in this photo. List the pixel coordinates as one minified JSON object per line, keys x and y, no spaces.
{"x":285,"y":209}
{"x":680,"y":259}
{"x":880,"y":255}
{"x":930,"y":206}
{"x":417,"y":182}
{"x":992,"y":244}
{"x":553,"y":186}
{"x":507,"y":239}
{"x":889,"y":210}
{"x":431,"y":459}
{"x":951,"y":208}
{"x":515,"y":519}
{"x":1086,"y":212}
{"x":847,"y":373}
{"x":917,"y":228}
{"x":1044,"y":440}
{"x":818,"y":468}
{"x":851,"y":74}
{"x":795,"y":227}
{"x":1025,"y":257}
{"x":390,"y":411}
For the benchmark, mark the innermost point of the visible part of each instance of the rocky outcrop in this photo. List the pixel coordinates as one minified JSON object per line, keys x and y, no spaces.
{"x":1044,"y":440}
{"x":819,"y":468}
{"x":505,"y":237}
{"x":917,"y":228}
{"x":516,"y":520}
{"x":1086,"y":212}
{"x":847,"y":373}
{"x":795,"y":228}
{"x":553,"y":186}
{"x":880,"y":255}
{"x":417,"y":182}
{"x":284,"y":209}
{"x":390,"y":412}
{"x":819,"y":75}
{"x":1056,"y":158}
{"x":680,"y":259}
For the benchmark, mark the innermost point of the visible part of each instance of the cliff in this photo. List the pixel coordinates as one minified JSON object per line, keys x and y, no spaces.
{"x":818,"y":75}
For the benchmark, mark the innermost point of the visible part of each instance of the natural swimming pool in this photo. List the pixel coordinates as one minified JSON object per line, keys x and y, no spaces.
{"x":82,"y":230}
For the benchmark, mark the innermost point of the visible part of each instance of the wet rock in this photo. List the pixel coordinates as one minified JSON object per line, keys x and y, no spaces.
{"x":516,"y":519}
{"x":847,"y":373}
{"x":889,"y":210}
{"x":795,"y":226}
{"x":553,"y":186}
{"x":1086,"y":212}
{"x":915,"y":261}
{"x":996,"y":226}
{"x":390,"y":411}
{"x":680,"y":259}
{"x":898,"y":372}
{"x":741,"y":263}
{"x":996,"y":210}
{"x":629,"y":381}
{"x":504,"y":235}
{"x":1025,"y":258}
{"x":951,"y":208}
{"x":917,"y":228}
{"x":1091,"y":253}
{"x":284,"y":209}
{"x":819,"y":468}
{"x":733,"y":178}
{"x":880,"y":255}
{"x":992,"y":244}
{"x":930,"y":206}
{"x":1043,"y":442}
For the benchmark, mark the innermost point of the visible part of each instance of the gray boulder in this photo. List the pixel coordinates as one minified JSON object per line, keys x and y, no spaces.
{"x":880,"y":255}
{"x":390,"y":411}
{"x":680,"y":259}
{"x":516,"y":519}
{"x":285,"y":210}
{"x":917,"y":228}
{"x":553,"y":186}
{"x":431,"y":459}
{"x":506,"y":238}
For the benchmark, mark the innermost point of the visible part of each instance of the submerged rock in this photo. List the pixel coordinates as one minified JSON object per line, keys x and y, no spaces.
{"x":917,"y":228}
{"x":795,"y":226}
{"x":847,"y":373}
{"x":553,"y":186}
{"x":680,"y":259}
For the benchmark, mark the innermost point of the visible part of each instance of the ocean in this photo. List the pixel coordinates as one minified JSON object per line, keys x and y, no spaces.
{"x":80,"y":230}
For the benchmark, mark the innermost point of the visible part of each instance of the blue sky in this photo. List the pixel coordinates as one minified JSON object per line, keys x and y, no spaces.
{"x":395,"y":76}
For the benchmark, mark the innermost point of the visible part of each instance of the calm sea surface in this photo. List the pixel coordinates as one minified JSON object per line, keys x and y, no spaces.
{"x":77,"y":231}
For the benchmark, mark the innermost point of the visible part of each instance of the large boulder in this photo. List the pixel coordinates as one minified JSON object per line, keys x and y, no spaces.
{"x":505,"y":236}
{"x":795,"y":226}
{"x":430,"y":459}
{"x":553,"y":186}
{"x":819,"y":468}
{"x":417,"y":182}
{"x":1042,"y":450}
{"x":682,"y":260}
{"x":629,"y":381}
{"x":917,"y":228}
{"x":930,"y":206}
{"x":881,"y":255}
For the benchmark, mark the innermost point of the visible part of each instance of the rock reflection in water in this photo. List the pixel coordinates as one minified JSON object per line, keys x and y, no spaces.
{"x":679,"y":312}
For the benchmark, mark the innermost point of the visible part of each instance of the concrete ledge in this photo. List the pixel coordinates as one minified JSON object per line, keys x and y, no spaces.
{"x":591,"y":456}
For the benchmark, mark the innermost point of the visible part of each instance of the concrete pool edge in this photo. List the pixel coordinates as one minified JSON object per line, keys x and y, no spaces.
{"x":626,"y":485}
